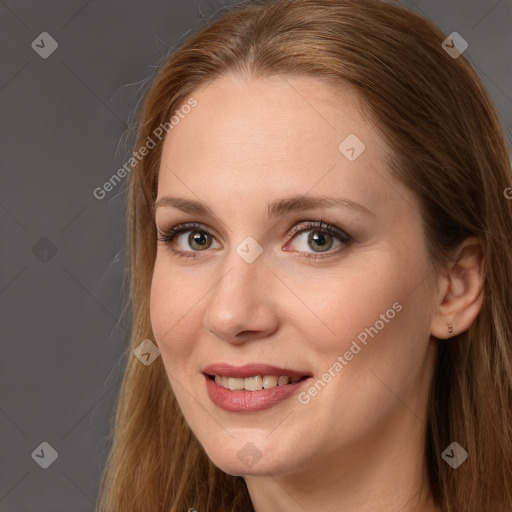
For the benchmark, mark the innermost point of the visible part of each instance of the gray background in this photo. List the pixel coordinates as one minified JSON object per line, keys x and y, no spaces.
{"x":63,"y":132}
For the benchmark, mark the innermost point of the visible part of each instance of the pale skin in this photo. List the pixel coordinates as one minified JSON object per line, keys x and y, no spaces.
{"x":358,"y":445}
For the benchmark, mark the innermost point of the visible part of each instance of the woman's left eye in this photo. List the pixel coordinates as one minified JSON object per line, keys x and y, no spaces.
{"x":322,"y":237}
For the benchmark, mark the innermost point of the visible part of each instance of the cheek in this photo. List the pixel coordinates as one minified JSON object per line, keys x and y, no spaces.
{"x":173,"y":311}
{"x":342,"y":305}
{"x":376,"y":354}
{"x":374,"y":319}
{"x":158,"y":300}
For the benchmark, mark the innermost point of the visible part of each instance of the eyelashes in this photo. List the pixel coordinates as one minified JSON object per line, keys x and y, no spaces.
{"x":320,"y":232}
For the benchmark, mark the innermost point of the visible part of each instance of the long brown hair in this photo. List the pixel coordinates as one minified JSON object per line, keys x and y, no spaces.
{"x":449,"y":149}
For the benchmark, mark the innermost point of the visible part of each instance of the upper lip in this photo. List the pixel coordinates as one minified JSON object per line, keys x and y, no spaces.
{"x":251,"y":370}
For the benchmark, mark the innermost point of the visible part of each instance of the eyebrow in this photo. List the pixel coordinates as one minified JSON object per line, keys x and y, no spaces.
{"x":274,"y":209}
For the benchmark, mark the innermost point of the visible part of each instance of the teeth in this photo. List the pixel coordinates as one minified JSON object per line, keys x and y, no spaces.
{"x":221,"y":381}
{"x":234,"y":383}
{"x":269,"y":381}
{"x":255,"y":383}
{"x":282,"y":381}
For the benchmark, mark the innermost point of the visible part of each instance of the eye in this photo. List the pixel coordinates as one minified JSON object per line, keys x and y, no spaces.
{"x":321,"y":238}
{"x":198,"y":239}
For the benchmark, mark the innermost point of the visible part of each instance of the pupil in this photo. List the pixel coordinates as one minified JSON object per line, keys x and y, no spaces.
{"x":318,"y":236}
{"x":197,"y":239}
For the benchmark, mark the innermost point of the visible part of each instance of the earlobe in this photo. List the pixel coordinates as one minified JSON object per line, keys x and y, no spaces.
{"x":460,"y":291}
{"x":444,"y":331}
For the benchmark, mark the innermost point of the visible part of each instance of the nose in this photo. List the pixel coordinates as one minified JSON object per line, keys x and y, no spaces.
{"x":242,"y":303}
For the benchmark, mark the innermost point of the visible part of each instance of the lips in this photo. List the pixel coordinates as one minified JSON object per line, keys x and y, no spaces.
{"x":251,"y":370}
{"x":227,"y":385}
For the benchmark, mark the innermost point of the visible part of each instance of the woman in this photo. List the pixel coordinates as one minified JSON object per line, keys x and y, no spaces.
{"x":320,"y":248}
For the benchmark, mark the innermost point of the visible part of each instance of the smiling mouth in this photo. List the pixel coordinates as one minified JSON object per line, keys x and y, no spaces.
{"x":256,"y":382}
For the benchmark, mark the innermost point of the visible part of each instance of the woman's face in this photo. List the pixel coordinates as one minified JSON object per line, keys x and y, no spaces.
{"x":247,"y":291}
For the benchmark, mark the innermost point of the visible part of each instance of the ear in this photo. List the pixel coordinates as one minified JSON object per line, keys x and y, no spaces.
{"x":460,"y":290}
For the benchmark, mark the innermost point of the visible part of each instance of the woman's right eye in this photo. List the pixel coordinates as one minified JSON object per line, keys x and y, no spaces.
{"x":197,"y":237}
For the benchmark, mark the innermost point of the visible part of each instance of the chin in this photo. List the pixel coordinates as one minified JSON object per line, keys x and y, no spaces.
{"x":250,"y":461}
{"x":236,"y":468}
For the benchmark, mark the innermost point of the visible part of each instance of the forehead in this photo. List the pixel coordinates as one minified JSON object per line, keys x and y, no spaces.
{"x":243,"y":116}
{"x":278,"y":136}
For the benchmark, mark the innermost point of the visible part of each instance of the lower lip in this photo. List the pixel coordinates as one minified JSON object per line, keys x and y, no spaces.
{"x":241,"y":400}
